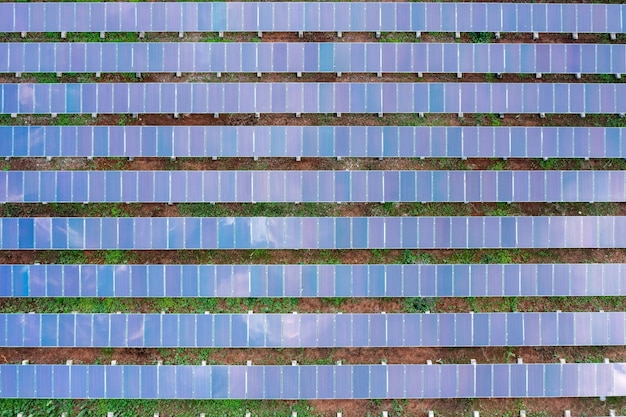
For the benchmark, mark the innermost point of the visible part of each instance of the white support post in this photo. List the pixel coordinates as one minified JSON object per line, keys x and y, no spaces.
{"x":101,"y":35}
{"x":63,"y":35}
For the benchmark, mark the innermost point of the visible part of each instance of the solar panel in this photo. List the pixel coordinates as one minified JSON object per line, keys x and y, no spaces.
{"x":312,"y":141}
{"x":310,"y":186}
{"x":313,"y":330}
{"x":295,"y":57}
{"x":450,"y":280}
{"x":310,"y":17}
{"x":311,"y":381}
{"x":313,"y":233}
{"x":376,"y":98}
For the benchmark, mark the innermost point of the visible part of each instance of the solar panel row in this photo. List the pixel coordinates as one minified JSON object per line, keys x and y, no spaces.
{"x":495,"y":280}
{"x":313,"y":232}
{"x":311,"y":17}
{"x":296,"y":57}
{"x":311,"y":186}
{"x":313,"y":141}
{"x":106,"y":98}
{"x":312,"y":381}
{"x":312,"y":330}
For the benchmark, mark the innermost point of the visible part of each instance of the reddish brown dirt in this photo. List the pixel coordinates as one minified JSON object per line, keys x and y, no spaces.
{"x":314,"y":356}
{"x":283,"y":164}
{"x":336,"y":256}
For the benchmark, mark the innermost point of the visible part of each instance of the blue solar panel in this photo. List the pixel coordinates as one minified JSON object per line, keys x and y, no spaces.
{"x":310,"y":17}
{"x":315,"y":330}
{"x":307,"y":186}
{"x":311,"y":381}
{"x":261,"y":232}
{"x":311,"y":141}
{"x":317,"y":98}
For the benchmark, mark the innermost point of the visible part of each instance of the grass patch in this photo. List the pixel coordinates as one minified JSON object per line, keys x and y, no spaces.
{"x":117,"y":257}
{"x":489,"y":119}
{"x":399,"y":37}
{"x":134,"y":408}
{"x":419,"y":304}
{"x":71,"y":257}
{"x":172,"y":305}
{"x":481,"y":37}
{"x":258,"y":210}
{"x":109,"y":37}
{"x":71,"y":120}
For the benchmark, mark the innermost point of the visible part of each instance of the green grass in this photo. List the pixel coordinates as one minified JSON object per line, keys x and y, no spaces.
{"x":258,"y":210}
{"x":149,"y":305}
{"x":67,"y":210}
{"x":419,"y":304}
{"x":135,"y":408}
{"x":95,"y":37}
{"x":72,"y":120}
{"x":488,"y":119}
{"x":71,"y":257}
{"x":481,"y":37}
{"x":117,"y":257}
{"x":399,"y":37}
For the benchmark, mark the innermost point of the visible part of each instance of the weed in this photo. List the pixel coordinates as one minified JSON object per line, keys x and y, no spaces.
{"x":328,"y":257}
{"x":71,"y":257}
{"x":497,"y":257}
{"x":117,"y":257}
{"x":378,"y":255}
{"x":481,"y":37}
{"x":398,"y":37}
{"x":498,"y":165}
{"x":336,"y":302}
{"x":504,"y":209}
{"x":552,"y":163}
{"x":202,"y":210}
{"x":419,"y":304}
{"x":408,"y":257}
{"x":71,"y":120}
